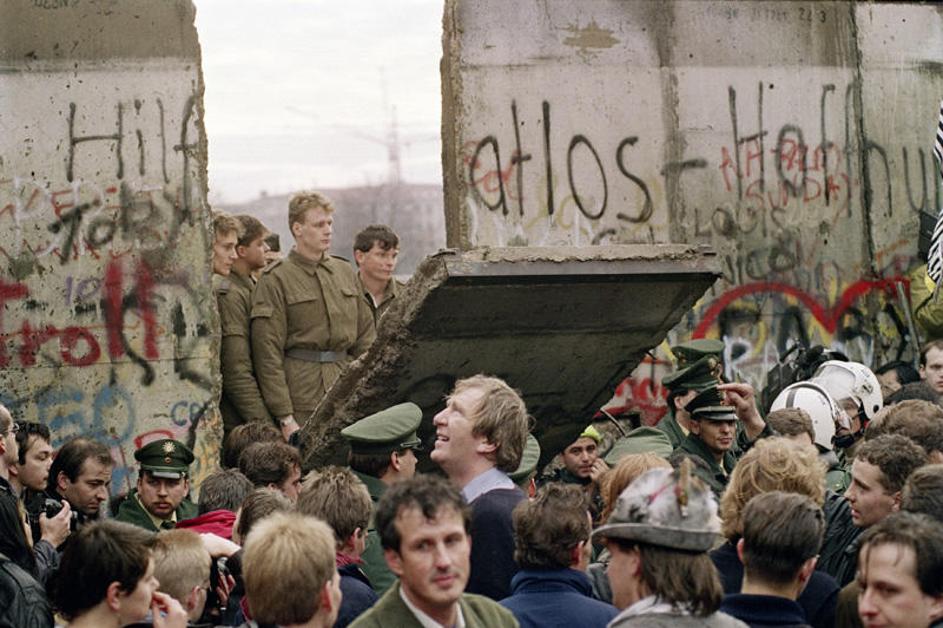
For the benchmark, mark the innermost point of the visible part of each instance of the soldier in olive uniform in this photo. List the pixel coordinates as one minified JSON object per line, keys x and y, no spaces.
{"x":382,"y":451}
{"x":241,"y":400}
{"x":724,"y":424}
{"x":692,"y":377}
{"x":375,"y":251}
{"x":161,"y":498}
{"x":309,"y":317}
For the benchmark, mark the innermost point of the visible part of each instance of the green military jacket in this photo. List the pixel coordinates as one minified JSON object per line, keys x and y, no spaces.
{"x":719,"y":473}
{"x":131,"y":511}
{"x":310,"y":306}
{"x":478,"y":612}
{"x":374,"y":564}
{"x":393,"y":291}
{"x":669,"y":425}
{"x":241,"y":399}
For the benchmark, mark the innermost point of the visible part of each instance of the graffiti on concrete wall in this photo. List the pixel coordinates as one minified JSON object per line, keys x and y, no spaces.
{"x":106,"y":316}
{"x":814,"y":219}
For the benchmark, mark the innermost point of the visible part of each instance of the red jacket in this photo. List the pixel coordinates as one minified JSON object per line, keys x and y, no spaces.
{"x":218,"y":522}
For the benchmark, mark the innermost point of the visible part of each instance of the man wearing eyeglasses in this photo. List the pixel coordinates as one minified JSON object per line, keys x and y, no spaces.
{"x":13,"y":543}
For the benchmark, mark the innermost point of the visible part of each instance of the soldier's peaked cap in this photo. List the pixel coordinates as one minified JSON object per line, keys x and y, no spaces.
{"x":687,"y":353}
{"x":702,"y":374}
{"x":709,"y":404}
{"x":385,"y":431}
{"x":165,"y":458}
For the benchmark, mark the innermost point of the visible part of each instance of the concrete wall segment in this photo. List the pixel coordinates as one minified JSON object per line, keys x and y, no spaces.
{"x":792,"y":137}
{"x":94,"y":30}
{"x":563,"y":325}
{"x":109,"y":320}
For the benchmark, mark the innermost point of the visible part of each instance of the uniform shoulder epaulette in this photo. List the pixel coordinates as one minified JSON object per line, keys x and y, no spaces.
{"x":341,"y":258}
{"x":221,"y":284}
{"x":273,"y":264}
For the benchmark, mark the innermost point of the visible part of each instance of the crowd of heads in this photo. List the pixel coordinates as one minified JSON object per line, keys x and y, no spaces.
{"x":646,"y":527}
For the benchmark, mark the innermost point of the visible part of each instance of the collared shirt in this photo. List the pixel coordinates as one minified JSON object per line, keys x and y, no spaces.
{"x":428,"y":622}
{"x":490,"y":480}
{"x":482,"y":483}
{"x":159,"y":523}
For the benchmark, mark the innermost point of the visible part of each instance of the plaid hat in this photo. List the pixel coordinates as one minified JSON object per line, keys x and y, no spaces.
{"x":702,"y":374}
{"x":386,"y":431}
{"x":665,"y":507}
{"x":165,"y":458}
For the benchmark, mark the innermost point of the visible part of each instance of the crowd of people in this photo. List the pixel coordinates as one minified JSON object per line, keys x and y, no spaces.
{"x":820,"y":504}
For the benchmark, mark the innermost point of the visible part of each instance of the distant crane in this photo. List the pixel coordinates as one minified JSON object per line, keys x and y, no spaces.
{"x":392,"y":141}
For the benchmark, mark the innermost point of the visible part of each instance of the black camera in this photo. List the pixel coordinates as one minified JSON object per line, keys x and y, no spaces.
{"x":53,"y":507}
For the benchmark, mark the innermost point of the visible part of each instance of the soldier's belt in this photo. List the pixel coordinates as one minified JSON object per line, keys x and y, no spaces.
{"x":309,"y":355}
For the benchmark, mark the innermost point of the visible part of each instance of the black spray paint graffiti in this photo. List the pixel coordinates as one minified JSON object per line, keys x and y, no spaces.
{"x":138,"y":214}
{"x":477,"y":176}
{"x":784,"y":159}
{"x":761,"y":203}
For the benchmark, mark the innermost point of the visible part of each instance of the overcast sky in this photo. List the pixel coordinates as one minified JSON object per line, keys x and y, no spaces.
{"x":295,"y":87}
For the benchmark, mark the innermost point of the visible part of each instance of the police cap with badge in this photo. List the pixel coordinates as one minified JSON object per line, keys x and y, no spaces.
{"x":704,"y":373}
{"x":709,"y":405}
{"x":165,"y":458}
{"x":386,"y":431}
{"x":687,"y":353}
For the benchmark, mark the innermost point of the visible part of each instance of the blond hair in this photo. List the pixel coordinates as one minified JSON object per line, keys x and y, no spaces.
{"x":620,"y":476}
{"x":772,"y":464}
{"x":288,"y":559}
{"x":301,"y":202}
{"x":501,"y":417}
{"x":181,"y":563}
{"x":338,"y":497}
{"x":223,"y":224}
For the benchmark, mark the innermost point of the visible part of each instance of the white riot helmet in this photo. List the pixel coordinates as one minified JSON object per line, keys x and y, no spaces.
{"x":844,"y":380}
{"x":819,"y":405}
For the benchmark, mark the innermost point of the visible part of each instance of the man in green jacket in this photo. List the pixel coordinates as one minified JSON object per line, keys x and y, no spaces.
{"x":241,"y":400}
{"x":699,"y":367}
{"x":375,"y":251}
{"x":161,"y":498}
{"x":424,"y":525}
{"x":382,"y":452}
{"x":309,"y":318}
{"x":715,"y":437}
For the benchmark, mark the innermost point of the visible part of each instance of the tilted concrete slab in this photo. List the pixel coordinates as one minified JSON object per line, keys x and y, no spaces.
{"x":562,"y":325}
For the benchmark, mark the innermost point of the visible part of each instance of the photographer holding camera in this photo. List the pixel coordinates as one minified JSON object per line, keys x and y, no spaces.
{"x":14,"y":541}
{"x":49,"y":520}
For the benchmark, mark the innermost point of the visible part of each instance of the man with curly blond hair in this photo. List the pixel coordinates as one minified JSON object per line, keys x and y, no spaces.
{"x":309,"y":318}
{"x":480,"y":438}
{"x":774,"y":464}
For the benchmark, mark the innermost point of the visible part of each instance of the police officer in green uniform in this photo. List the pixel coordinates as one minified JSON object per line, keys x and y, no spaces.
{"x":241,"y":400}
{"x":382,"y":451}
{"x":309,"y":317}
{"x":696,"y":375}
{"x":161,"y":498}
{"x":375,"y":251}
{"x":724,"y":424}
